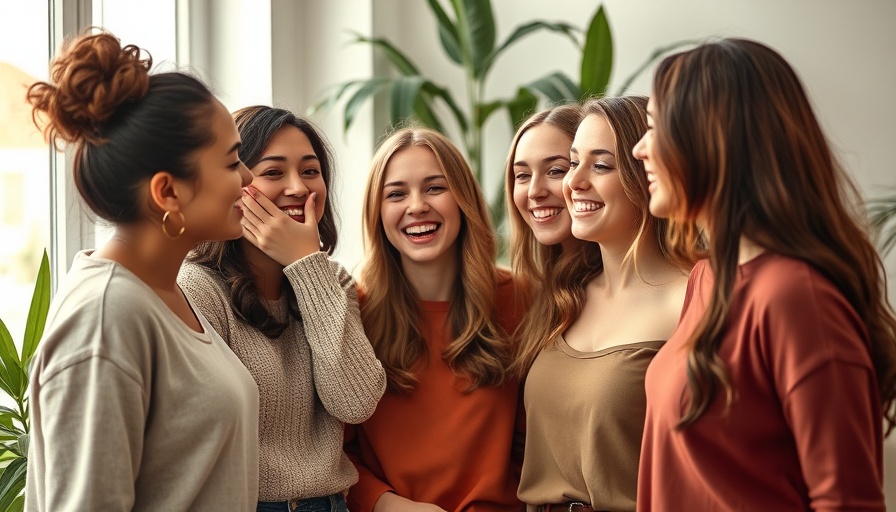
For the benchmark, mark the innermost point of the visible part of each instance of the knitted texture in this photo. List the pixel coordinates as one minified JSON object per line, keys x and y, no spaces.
{"x":320,"y":373}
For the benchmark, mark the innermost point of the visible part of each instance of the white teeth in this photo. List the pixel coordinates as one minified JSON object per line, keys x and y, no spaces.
{"x":587,"y":206}
{"x":294,"y":212}
{"x":543,"y":213}
{"x":420,"y":229}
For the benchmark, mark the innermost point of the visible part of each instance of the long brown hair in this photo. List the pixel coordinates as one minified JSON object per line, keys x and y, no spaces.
{"x":736,"y":132}
{"x":560,"y":293}
{"x":390,"y":312}
{"x":551,"y":280}
{"x":257,"y":126}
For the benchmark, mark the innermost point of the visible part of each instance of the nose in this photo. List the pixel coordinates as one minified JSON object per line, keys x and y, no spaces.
{"x":417,"y":204}
{"x":576,"y":179}
{"x":638,"y":151}
{"x":295,"y":186}
{"x":537,"y":188}
{"x":245,"y":175}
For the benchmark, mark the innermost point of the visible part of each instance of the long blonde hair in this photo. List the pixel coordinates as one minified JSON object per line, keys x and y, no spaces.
{"x":391,"y":313}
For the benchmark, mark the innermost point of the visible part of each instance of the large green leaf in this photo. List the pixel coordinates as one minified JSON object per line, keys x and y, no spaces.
{"x":398,"y":59}
{"x":521,"y":107}
{"x":37,"y":314}
{"x":556,"y":87}
{"x":404,"y":94}
{"x":597,"y":56}
{"x":657,"y":53}
{"x":443,"y":93}
{"x":529,"y":28}
{"x":12,"y":481}
{"x":476,"y":33}
{"x":17,"y":505}
{"x":366,"y":90}
{"x":447,"y":32}
{"x":11,"y":372}
{"x":882,"y":212}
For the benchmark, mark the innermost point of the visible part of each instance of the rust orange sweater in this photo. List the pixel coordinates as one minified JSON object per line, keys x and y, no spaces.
{"x":440,"y":445}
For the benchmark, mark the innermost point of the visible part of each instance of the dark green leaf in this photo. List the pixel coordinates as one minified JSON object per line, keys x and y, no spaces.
{"x":23,"y":442}
{"x":10,"y":414}
{"x":657,"y":53}
{"x":476,"y":33}
{"x":597,"y":56}
{"x":367,"y":89}
{"x":529,"y":28}
{"x":556,"y":87}
{"x":447,"y":32}
{"x":398,"y":59}
{"x":11,"y":373}
{"x":521,"y":107}
{"x":12,"y":481}
{"x":403,"y":95}
{"x":37,"y":314}
{"x":441,"y":92}
{"x":17,"y":505}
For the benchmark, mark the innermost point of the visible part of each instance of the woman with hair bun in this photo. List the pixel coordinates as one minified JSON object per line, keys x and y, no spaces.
{"x":136,"y":402}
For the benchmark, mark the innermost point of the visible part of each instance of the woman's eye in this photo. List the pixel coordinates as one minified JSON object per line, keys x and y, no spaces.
{"x":435,"y":189}
{"x":271,"y":173}
{"x":602,"y":167}
{"x":311,"y":172}
{"x":394,"y":195}
{"x":522,"y":177}
{"x":558,"y":171}
{"x":236,"y":165}
{"x":573,"y":164}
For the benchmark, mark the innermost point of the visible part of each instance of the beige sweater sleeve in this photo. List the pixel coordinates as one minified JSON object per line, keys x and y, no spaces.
{"x":348,"y":377}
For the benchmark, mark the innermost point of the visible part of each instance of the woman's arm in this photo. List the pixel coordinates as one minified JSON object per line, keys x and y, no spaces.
{"x":90,"y":424}
{"x":348,"y":377}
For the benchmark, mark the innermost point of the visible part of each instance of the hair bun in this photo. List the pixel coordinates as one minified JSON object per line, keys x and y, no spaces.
{"x":91,"y":78}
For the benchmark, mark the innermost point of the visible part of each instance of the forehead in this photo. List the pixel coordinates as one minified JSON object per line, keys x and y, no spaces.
{"x":594,"y":132}
{"x":544,"y":138}
{"x":413,"y":162}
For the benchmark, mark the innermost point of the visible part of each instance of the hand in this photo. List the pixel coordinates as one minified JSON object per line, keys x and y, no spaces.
{"x":274,"y":232}
{"x":391,"y":502}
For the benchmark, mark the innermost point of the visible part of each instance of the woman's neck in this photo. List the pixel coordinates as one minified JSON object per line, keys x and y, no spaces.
{"x":267,"y":273}
{"x":647,"y":267}
{"x":432,"y":280}
{"x":148,"y":254}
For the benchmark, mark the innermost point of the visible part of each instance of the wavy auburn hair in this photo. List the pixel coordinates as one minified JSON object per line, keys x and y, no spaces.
{"x":257,"y":126}
{"x":391,"y":313}
{"x":737,"y":134}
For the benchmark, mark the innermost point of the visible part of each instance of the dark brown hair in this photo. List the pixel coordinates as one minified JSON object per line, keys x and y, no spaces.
{"x":736,"y":132}
{"x":257,"y":126}
{"x":125,"y":124}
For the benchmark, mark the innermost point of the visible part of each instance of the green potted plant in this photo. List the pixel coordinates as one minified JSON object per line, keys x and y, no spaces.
{"x":882,"y":212}
{"x":468,"y":39}
{"x":14,"y":421}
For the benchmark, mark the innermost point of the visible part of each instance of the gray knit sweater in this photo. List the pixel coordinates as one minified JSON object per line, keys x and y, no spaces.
{"x":320,"y":373}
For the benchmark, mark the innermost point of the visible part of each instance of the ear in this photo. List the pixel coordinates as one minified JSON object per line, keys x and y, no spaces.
{"x":163,"y":192}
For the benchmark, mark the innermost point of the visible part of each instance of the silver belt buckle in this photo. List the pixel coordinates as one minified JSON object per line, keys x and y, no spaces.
{"x":575,"y":504}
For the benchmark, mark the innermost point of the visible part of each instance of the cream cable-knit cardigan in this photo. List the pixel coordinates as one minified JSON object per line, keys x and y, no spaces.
{"x":320,"y":373}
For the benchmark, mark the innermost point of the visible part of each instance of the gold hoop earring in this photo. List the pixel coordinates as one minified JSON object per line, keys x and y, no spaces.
{"x":183,"y":225}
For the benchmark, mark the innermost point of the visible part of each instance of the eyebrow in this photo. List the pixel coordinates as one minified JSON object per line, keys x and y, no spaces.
{"x":522,"y":163}
{"x":595,"y":152}
{"x":427,"y":179}
{"x":280,"y":158}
